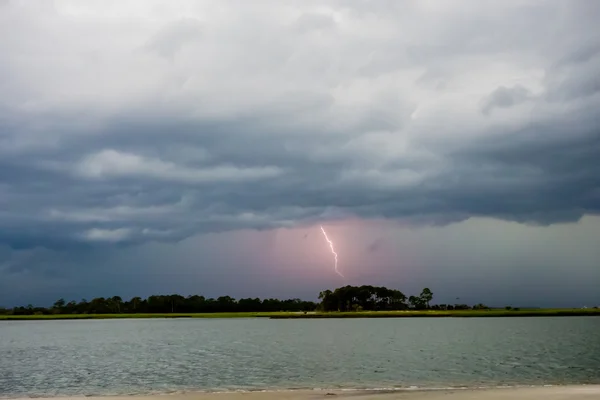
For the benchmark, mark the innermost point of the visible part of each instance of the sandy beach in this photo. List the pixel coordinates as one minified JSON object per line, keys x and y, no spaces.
{"x":582,"y":392}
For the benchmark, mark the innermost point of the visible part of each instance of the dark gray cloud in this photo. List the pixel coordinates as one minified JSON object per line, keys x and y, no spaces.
{"x":188,"y":151}
{"x":168,"y":122}
{"x":504,"y":97}
{"x":375,"y":245}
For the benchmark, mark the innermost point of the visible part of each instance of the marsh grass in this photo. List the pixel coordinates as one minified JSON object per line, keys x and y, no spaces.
{"x":549,"y":312}
{"x":144,"y":315}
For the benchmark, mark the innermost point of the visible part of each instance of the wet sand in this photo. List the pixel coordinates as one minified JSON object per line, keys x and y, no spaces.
{"x":584,"y":392}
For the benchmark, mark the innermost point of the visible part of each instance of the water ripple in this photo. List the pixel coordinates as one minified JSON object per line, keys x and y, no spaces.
{"x":67,"y":358}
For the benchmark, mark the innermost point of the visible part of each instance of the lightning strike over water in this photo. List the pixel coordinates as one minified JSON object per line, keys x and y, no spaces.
{"x":335,"y":266}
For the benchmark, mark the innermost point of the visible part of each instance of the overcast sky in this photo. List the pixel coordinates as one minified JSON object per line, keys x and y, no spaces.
{"x":196,"y":146}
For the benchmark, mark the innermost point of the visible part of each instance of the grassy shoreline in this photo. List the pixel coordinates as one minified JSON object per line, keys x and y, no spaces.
{"x":570,"y":312}
{"x":297,"y":315}
{"x":140,"y":315}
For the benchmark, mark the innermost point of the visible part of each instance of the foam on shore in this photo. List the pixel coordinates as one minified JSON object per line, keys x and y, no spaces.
{"x":579,"y":392}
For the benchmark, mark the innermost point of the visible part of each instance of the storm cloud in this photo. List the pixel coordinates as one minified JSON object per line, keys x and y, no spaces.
{"x":124,"y":123}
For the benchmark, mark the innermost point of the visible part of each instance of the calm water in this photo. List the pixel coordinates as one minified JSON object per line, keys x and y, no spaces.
{"x":48,"y":358}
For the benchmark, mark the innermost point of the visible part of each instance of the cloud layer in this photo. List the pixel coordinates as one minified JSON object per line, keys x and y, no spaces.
{"x":129,"y":122}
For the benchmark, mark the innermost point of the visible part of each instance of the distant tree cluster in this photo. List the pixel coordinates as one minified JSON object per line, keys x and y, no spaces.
{"x":371,"y":298}
{"x":165,"y":304}
{"x":374,"y":298}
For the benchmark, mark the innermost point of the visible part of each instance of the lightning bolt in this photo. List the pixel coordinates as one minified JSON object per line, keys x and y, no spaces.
{"x":333,"y":251}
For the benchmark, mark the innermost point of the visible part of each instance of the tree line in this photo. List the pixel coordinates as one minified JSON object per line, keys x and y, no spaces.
{"x":165,"y":304}
{"x":347,"y":298}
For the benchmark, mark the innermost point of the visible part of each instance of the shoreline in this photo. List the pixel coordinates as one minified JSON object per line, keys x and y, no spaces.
{"x":496,"y":313}
{"x":545,"y":392}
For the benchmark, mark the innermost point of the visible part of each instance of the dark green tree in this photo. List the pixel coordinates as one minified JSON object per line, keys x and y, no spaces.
{"x":59,"y":305}
{"x":364,"y":297}
{"x":426,"y":296}
{"x":135,"y":304}
{"x":115,"y":303}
